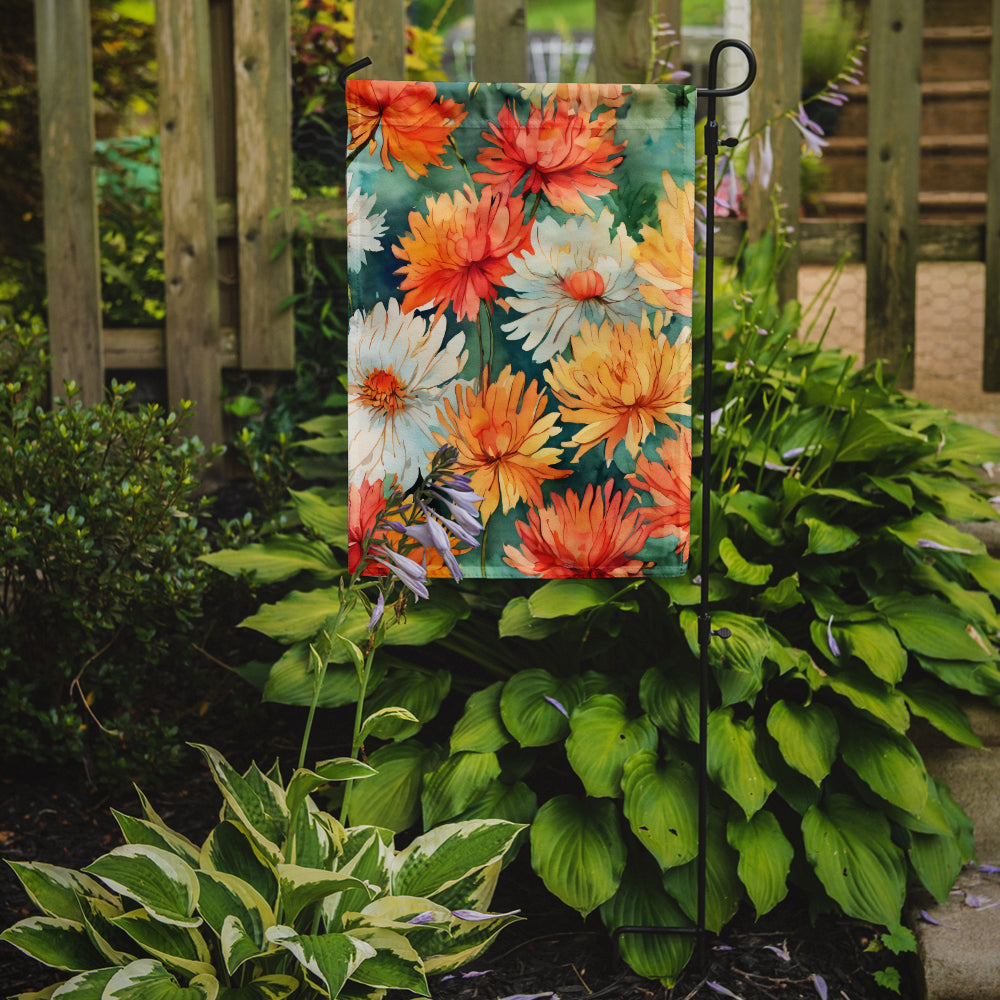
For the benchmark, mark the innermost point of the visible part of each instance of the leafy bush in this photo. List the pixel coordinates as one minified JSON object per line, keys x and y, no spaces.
{"x":99,"y":540}
{"x":854,"y":602}
{"x":279,"y":899}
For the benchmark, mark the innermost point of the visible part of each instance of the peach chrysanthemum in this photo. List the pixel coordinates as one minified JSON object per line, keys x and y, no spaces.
{"x":415,"y":125}
{"x":621,"y":381}
{"x":501,"y":433}
{"x":664,"y":259}
{"x":558,"y":152}
{"x":458,"y":253}
{"x":585,"y":98}
{"x":590,"y":536}
{"x":668,"y":482}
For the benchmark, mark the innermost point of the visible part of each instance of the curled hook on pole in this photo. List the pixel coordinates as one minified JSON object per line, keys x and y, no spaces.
{"x":353,"y":68}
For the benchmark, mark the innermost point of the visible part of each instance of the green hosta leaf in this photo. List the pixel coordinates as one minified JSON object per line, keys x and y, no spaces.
{"x":395,"y":964}
{"x":958,"y":502}
{"x":142,"y":831}
{"x":671,"y":700}
{"x":147,"y":979}
{"x":225,"y":897}
{"x":975,"y":605}
{"x":456,"y":784}
{"x":876,"y":646}
{"x":765,"y":858}
{"x":641,"y":901}
{"x":417,"y":690}
{"x":481,"y":728}
{"x":738,"y":569}
{"x":738,"y":661}
{"x":516,"y":803}
{"x":783,"y":595}
{"x":517,"y":620}
{"x":827,"y":539}
{"x":865,"y":692}
{"x":528,"y":710}
{"x":180,"y":948}
{"x":931,"y":628}
{"x":850,"y":847}
{"x":301,"y":887}
{"x":965,"y":443}
{"x":327,"y":520}
{"x":279,"y":558}
{"x":56,"y":891}
{"x":976,"y":678}
{"x":928,"y":528}
{"x":684,"y":592}
{"x":438,"y":859}
{"x":54,"y":941}
{"x":937,"y":860}
{"x":732,"y":760}
{"x":986,"y":572}
{"x":330,"y":959}
{"x":807,"y":736}
{"x":578,"y":851}
{"x":893,"y":488}
{"x":230,"y":849}
{"x":559,"y":598}
{"x":660,"y":805}
{"x":723,"y":889}
{"x":260,"y":809}
{"x":941,"y":709}
{"x":292,"y":681}
{"x":870,"y":436}
{"x":888,"y":763}
{"x":391,"y":798}
{"x":761,"y":513}
{"x":274,"y":987}
{"x":163,"y":884}
{"x":602,"y":738}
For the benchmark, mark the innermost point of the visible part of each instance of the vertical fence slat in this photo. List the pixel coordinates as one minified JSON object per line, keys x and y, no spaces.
{"x":501,"y":41}
{"x":776,"y":34}
{"x":190,"y":253}
{"x":621,"y":41}
{"x":991,"y":332}
{"x":72,"y":257}
{"x":380,"y":34}
{"x":261,"y":41}
{"x":893,"y":183}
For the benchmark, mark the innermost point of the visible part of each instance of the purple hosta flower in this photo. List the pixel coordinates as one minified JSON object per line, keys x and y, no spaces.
{"x":812,"y":134}
{"x":719,"y":988}
{"x":927,"y":543}
{"x":431,"y":534}
{"x":831,"y":642}
{"x":377,"y":611}
{"x":411,"y":574}
{"x":990,"y":869}
{"x":820,"y":984}
{"x":465,"y":975}
{"x":475,"y":915}
{"x":780,"y":952}
{"x":760,"y":165}
{"x":531,"y":996}
{"x":427,"y":917}
{"x":927,"y":918}
{"x":558,"y":705}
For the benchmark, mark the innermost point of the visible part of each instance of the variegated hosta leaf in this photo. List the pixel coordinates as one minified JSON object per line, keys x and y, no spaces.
{"x":158,"y":880}
{"x":732,"y":760}
{"x":301,"y":887}
{"x":765,"y":858}
{"x":456,"y":784}
{"x":274,"y":987}
{"x":481,"y":727}
{"x":225,"y":897}
{"x":475,"y":891}
{"x":578,"y":851}
{"x":256,"y":801}
{"x":602,"y":737}
{"x":807,"y":736}
{"x":468,"y":939}
{"x":304,"y":782}
{"x":315,"y":838}
{"x":177,"y":947}
{"x":56,"y":891}
{"x":535,"y":706}
{"x":367,"y":853}
{"x":86,"y":986}
{"x":661,"y":800}
{"x":116,"y":947}
{"x":850,"y":847}
{"x":55,"y":941}
{"x":395,"y":964}
{"x":230,"y":849}
{"x":141,"y":831}
{"x":328,"y":959}
{"x":642,"y":902}
{"x":441,"y":857}
{"x":147,"y":979}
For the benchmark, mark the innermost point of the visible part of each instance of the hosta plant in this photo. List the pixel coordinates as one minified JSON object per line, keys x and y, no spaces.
{"x":279,"y":900}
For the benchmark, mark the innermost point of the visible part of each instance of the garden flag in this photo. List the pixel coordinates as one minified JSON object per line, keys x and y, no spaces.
{"x":520,"y":264}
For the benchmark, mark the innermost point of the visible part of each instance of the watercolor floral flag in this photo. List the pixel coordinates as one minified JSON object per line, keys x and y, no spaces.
{"x":520,"y":264}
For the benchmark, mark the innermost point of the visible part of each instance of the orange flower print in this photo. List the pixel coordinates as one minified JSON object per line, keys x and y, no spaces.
{"x":582,"y":98}
{"x":588,"y":536}
{"x":620,"y":382}
{"x":668,"y":482}
{"x":365,"y":503}
{"x":458,"y":253}
{"x":415,"y":125}
{"x":501,"y":433}
{"x":664,"y":260}
{"x":558,"y":152}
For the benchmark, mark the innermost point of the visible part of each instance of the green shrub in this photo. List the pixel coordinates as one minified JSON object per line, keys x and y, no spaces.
{"x":101,"y":584}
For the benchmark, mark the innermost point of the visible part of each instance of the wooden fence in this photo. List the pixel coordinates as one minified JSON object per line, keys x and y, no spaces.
{"x":226,"y":162}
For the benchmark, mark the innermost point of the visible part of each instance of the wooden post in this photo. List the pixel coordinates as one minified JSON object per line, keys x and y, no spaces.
{"x":991,"y":333}
{"x":261,"y":57}
{"x":190,"y":254}
{"x":893,"y":183}
{"x":621,"y":41}
{"x":501,"y":38}
{"x":776,"y":34}
{"x":72,"y":256}
{"x":380,"y":34}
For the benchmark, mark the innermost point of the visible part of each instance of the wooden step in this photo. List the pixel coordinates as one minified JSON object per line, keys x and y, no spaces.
{"x":956,"y":53}
{"x":957,"y":206}
{"x":947,"y":106}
